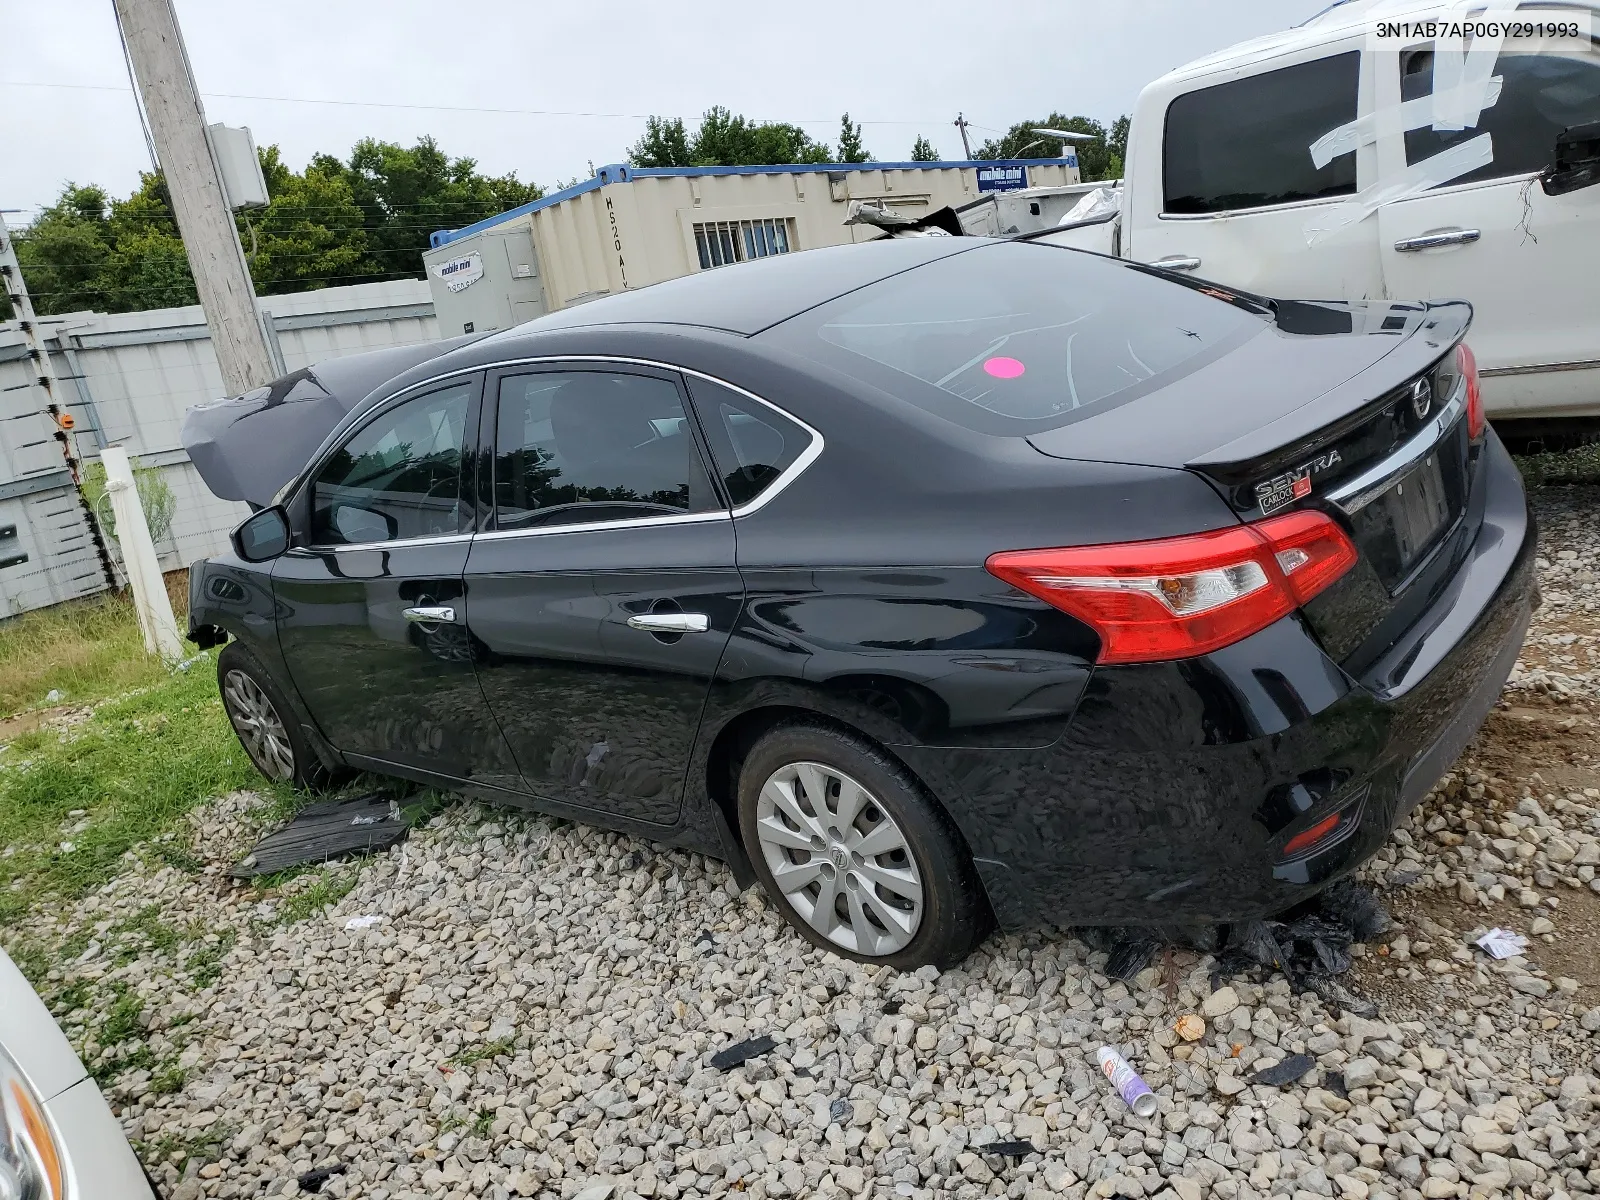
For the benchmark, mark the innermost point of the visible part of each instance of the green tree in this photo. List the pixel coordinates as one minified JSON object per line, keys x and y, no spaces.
{"x":665,"y":144}
{"x":335,"y":222}
{"x":1024,"y":141}
{"x":406,"y":192}
{"x":850,"y":148}
{"x":724,"y":139}
{"x":311,"y":232}
{"x":1119,"y":136}
{"x":922,"y":150}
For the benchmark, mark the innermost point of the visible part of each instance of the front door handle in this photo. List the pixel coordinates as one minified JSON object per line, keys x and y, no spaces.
{"x":670,"y":622}
{"x":430,"y":613}
{"x":1177,"y":262}
{"x":1428,"y":241}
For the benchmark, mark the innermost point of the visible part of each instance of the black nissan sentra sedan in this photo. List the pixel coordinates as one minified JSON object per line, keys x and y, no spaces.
{"x":931,"y":582}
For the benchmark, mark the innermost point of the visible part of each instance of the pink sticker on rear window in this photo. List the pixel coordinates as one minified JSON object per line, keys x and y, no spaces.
{"x":1004,"y":368}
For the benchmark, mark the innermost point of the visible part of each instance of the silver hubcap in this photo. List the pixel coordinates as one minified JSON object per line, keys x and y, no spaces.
{"x":839,"y":858}
{"x":258,"y":725}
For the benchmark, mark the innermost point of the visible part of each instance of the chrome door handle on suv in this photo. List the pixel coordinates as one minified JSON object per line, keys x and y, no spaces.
{"x":429,"y":613}
{"x":1428,"y":241}
{"x":670,"y":622}
{"x":1177,"y":262}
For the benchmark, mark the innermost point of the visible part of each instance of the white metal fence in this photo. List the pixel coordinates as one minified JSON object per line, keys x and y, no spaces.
{"x":129,"y":378}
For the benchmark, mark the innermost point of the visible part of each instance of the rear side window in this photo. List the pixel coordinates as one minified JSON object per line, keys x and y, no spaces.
{"x":582,"y":446}
{"x":751,"y":443}
{"x":1247,"y":144}
{"x":1540,"y":95}
{"x":1013,"y":337}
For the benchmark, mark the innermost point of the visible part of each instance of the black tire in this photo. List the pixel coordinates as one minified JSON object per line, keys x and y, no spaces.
{"x":952,"y":916}
{"x":282,"y":754}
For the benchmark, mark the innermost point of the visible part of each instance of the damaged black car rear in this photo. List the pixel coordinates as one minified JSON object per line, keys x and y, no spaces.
{"x":930,"y":582}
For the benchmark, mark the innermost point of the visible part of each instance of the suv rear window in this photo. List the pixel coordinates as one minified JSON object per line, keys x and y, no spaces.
{"x":1012,"y":336}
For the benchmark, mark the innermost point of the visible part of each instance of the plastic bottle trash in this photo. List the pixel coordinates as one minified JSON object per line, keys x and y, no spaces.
{"x":1133,"y":1090}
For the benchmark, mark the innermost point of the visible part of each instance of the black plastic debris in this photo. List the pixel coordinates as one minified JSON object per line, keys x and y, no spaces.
{"x":312,"y":1181}
{"x":1285,"y":1072}
{"x":706,"y":938}
{"x":326,"y":831}
{"x":1309,"y":945}
{"x":1013,"y":1150}
{"x":729,"y":1058}
{"x":1334,"y":1082}
{"x":891,"y":1008}
{"x":840,"y":1111}
{"x":1128,"y":951}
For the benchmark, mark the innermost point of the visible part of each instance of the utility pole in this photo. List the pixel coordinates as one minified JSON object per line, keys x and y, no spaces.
{"x":199,"y":201}
{"x":961,"y":124}
{"x":45,"y":378}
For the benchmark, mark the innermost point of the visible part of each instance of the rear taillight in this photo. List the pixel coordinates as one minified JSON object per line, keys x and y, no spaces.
{"x":1467,"y":362}
{"x":1178,"y":597}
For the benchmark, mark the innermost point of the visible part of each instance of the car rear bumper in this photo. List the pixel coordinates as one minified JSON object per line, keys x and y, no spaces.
{"x":1177,"y":787}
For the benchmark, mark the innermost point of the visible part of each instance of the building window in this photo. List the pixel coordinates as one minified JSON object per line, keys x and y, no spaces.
{"x":722,"y":242}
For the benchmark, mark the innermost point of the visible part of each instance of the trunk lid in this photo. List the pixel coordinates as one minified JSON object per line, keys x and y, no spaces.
{"x":1353,"y":408}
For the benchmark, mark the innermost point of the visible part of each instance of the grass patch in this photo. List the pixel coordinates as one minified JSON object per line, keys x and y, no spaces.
{"x":486,"y":1050}
{"x":179,"y":1149}
{"x":168,"y":1078}
{"x":137,"y":766}
{"x":86,"y":649}
{"x":1581,"y":464}
{"x":123,"y":1021}
{"x":205,"y":964}
{"x":331,"y":888}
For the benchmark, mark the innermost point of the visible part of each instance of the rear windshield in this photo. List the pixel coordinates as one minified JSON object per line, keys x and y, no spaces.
{"x":1014,"y":336}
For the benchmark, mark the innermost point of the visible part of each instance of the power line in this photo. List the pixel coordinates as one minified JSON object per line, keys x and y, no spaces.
{"x":455,"y":108}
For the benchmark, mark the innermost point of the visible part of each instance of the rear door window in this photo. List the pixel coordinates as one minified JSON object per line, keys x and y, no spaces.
{"x":752,"y":443}
{"x":584,"y":446}
{"x":1247,"y":143}
{"x":1014,"y":337}
{"x":1540,"y":96}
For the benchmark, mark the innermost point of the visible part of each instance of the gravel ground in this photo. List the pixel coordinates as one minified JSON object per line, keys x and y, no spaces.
{"x":535,"y":1011}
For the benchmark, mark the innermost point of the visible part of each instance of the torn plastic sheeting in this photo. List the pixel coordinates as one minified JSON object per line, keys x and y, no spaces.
{"x":1430,"y":173}
{"x":1097,"y":203}
{"x":363,"y":922}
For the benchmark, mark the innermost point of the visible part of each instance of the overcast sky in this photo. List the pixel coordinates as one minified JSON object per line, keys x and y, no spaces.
{"x":902,"y":69}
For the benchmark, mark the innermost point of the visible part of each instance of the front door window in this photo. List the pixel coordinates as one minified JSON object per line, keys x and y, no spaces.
{"x":397,"y":477}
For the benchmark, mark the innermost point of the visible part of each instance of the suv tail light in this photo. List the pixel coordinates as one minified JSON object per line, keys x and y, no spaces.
{"x":1467,"y":362}
{"x":1183,"y":596}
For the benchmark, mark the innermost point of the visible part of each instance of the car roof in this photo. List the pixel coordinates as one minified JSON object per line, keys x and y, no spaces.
{"x":753,"y":295}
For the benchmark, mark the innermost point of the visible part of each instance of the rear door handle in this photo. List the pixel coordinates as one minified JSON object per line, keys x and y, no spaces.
{"x":670,"y":622}
{"x":1177,"y":262}
{"x":430,"y":613}
{"x":1428,"y":241}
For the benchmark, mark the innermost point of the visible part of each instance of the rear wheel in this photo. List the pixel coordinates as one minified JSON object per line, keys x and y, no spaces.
{"x":265,"y":722}
{"x":859,"y":860}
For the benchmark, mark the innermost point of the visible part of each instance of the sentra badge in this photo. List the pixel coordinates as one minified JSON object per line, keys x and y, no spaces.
{"x":1292,"y":485}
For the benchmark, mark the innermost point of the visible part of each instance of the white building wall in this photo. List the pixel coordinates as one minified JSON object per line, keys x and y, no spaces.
{"x":135,"y":375}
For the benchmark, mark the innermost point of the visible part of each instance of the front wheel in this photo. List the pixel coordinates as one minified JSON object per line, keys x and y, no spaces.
{"x":265,"y":723}
{"x":859,"y":860}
